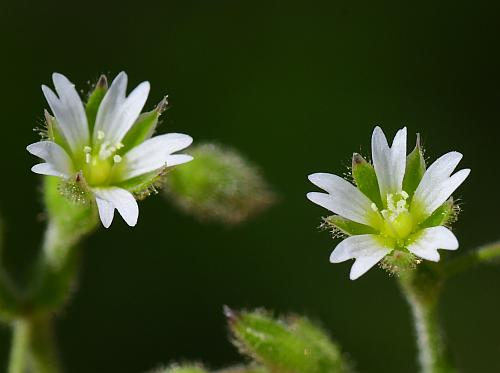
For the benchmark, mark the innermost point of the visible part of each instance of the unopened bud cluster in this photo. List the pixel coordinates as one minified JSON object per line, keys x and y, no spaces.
{"x":218,"y":185}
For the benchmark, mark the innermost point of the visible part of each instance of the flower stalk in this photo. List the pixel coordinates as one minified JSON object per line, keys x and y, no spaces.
{"x":33,"y":347}
{"x":33,"y":344}
{"x":422,"y":290}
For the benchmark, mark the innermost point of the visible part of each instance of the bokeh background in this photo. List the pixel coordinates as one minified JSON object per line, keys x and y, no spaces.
{"x":297,"y":87}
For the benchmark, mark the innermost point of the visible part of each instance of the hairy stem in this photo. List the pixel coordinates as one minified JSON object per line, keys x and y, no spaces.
{"x":52,"y":282}
{"x":19,"y":349}
{"x":33,"y":348}
{"x":422,"y":289}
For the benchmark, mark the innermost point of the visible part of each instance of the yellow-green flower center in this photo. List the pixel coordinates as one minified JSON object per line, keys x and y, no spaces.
{"x":100,"y":163}
{"x":396,"y":223}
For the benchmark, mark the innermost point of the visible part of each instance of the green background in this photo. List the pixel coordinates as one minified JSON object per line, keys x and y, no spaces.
{"x":296,"y":87}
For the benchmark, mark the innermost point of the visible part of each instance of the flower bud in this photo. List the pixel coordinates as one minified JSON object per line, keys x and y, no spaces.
{"x":182,"y":369}
{"x":245,"y":369}
{"x":293,"y":345}
{"x":218,"y":185}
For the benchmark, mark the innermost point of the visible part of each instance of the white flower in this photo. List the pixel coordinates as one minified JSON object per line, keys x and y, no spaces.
{"x":110,"y":150}
{"x":400,"y":221}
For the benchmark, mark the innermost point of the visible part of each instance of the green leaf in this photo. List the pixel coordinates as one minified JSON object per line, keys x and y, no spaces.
{"x":143,"y":127}
{"x":348,"y":226}
{"x":293,"y":347}
{"x":94,"y":101}
{"x":415,"y":169}
{"x":364,"y":175}
{"x":441,"y":216}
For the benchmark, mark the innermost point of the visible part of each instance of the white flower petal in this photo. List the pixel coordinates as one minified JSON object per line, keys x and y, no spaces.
{"x":365,"y":263}
{"x":54,"y":154}
{"x":69,"y":112}
{"x":177,"y":159}
{"x":106,"y":211}
{"x":47,"y":169}
{"x":120,"y":199}
{"x":343,"y":199}
{"x":365,"y":248}
{"x":154,"y":154}
{"x":432,"y":239}
{"x":436,"y":185}
{"x":389,"y":162}
{"x":117,"y":113}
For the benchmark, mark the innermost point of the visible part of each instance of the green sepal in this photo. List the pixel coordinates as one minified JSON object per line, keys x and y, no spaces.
{"x":143,"y":128}
{"x":144,"y":185}
{"x":95,"y":100}
{"x":415,"y":169}
{"x":73,"y":217}
{"x":293,"y":347}
{"x":365,"y":177}
{"x":52,"y":131}
{"x":443,"y":215}
{"x":347,"y":226}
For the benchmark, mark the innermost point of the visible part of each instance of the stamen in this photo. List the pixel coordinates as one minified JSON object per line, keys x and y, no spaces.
{"x":117,"y":158}
{"x":100,"y":135}
{"x":396,"y":205}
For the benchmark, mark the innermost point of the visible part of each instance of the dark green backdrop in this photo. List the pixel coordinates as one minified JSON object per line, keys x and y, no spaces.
{"x":297,"y":87}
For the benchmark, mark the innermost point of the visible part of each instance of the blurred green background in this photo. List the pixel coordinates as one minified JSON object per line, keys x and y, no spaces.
{"x":297,"y":87}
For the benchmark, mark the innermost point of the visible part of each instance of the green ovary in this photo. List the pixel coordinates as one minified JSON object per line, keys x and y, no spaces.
{"x":398,"y":223}
{"x":401,"y":227}
{"x":98,"y":172}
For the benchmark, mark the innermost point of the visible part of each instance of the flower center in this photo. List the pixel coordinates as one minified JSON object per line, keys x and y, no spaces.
{"x":398,"y":222}
{"x":100,"y":162}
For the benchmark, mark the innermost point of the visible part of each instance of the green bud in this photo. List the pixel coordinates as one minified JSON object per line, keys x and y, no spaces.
{"x":218,"y":185}
{"x":415,"y":169}
{"x":364,"y":175}
{"x":143,"y":127}
{"x":95,"y":99}
{"x":330,"y":351}
{"x":245,"y":369}
{"x":341,"y":226}
{"x":293,"y":346}
{"x":190,"y":368}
